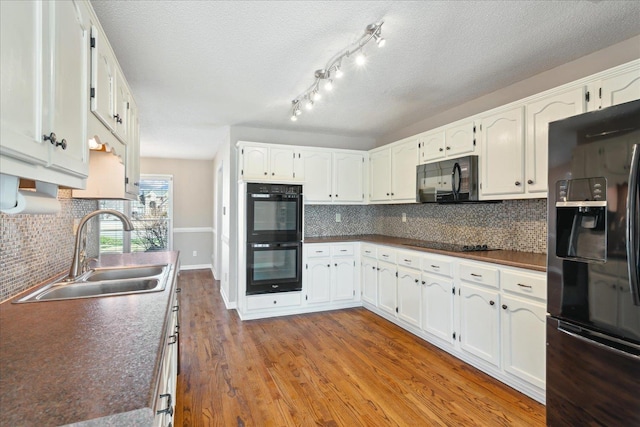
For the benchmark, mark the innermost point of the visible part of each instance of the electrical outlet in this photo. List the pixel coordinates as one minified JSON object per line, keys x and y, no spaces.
{"x":404,"y":217}
{"x":195,"y":253}
{"x":338,"y":217}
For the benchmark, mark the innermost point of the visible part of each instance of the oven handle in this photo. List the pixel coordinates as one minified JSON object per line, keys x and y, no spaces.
{"x":632,"y":213}
{"x":276,"y":245}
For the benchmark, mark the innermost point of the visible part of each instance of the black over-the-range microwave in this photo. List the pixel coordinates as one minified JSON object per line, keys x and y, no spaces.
{"x":448,"y":181}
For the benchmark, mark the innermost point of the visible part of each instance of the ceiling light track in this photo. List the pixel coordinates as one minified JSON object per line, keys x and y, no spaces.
{"x":333,"y":70}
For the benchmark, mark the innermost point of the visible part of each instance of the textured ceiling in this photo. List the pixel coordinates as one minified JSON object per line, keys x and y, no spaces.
{"x":197,"y":67}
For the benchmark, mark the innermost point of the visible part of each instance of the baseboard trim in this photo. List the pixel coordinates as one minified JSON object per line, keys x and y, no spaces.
{"x":195,"y":267}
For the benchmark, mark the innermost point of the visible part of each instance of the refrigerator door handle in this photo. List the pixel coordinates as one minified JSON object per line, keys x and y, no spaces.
{"x":631,"y":235}
{"x":605,"y":342}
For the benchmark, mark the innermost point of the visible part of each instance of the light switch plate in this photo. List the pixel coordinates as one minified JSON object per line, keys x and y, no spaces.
{"x":404,"y":217}
{"x":338,"y":217}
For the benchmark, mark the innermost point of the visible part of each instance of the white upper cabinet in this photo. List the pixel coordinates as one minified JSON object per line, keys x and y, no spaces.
{"x":392,"y":172}
{"x":460,"y":139}
{"x":44,"y":72}
{"x":66,"y":97}
{"x":539,"y":114}
{"x":404,"y":159}
{"x":331,"y":176}
{"x":21,"y":56}
{"x":380,"y":175}
{"x":103,"y":78}
{"x":431,"y":145}
{"x":316,"y":172}
{"x":620,"y":87}
{"x":502,"y":163}
{"x":348,"y":177}
{"x":266,"y":163}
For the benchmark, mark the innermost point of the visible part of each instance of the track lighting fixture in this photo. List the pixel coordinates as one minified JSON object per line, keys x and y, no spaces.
{"x":334,"y":69}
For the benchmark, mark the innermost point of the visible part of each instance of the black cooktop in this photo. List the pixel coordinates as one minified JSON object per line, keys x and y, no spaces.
{"x":452,"y":247}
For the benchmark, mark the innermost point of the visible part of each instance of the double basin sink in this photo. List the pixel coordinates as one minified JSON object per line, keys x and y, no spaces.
{"x":103,"y":282}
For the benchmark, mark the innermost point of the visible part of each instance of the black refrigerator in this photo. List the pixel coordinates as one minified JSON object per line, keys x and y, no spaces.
{"x":593,"y":323}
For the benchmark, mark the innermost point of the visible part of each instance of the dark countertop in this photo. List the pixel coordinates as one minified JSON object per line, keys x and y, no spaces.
{"x":528,"y":260}
{"x":69,"y":361}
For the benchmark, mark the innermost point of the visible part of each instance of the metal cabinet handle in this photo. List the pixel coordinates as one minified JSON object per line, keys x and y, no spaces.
{"x":169,"y":408}
{"x":51,"y":137}
{"x":336,"y":264}
{"x":407,"y":260}
{"x":517,"y":183}
{"x":175,"y":308}
{"x":504,"y":306}
{"x":417,"y":280}
{"x":492,"y":302}
{"x":118,"y":118}
{"x":524,"y":286}
{"x":448,"y":148}
{"x":336,"y":196}
{"x":265,"y":173}
{"x":273,"y":173}
{"x":175,"y":339}
{"x":530,"y":182}
{"x":424,"y":283}
{"x":476,"y":275}
{"x":435,"y":266}
{"x":374,"y":268}
{"x":178,"y":290}
{"x":387,"y":194}
{"x":441,"y":149}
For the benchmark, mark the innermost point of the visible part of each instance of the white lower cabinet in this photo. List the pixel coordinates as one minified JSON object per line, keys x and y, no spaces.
{"x":369,"y":275}
{"x":387,"y":287}
{"x":165,"y":402}
{"x":480,"y":323}
{"x":409,"y":296}
{"x":330,"y":273}
{"x":437,"y":306}
{"x":523,"y":339}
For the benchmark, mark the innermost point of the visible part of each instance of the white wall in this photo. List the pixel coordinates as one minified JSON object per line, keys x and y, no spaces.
{"x":596,"y":62}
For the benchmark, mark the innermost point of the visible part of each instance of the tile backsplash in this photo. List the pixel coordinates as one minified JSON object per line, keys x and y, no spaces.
{"x":518,"y":225}
{"x":34,"y":248}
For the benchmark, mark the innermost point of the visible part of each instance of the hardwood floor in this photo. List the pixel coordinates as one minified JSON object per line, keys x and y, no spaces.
{"x":339,"y":368}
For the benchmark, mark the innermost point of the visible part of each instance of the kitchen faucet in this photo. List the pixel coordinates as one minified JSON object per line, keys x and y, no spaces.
{"x":76,"y":265}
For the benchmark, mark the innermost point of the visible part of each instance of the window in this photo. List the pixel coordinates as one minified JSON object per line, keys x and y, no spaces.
{"x":151,"y":214}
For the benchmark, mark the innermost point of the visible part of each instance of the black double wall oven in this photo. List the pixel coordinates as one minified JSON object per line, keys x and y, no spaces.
{"x":274,"y":238}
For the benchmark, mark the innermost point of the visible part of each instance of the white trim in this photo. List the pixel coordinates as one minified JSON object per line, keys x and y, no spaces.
{"x":195,"y":267}
{"x":193,"y":230}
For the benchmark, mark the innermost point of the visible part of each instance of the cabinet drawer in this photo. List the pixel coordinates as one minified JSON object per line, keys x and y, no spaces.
{"x":482,"y":274}
{"x":386,"y":254}
{"x":521,"y":283}
{"x":369,"y":251}
{"x":318,"y":251}
{"x":438,"y":266}
{"x":284,"y":299}
{"x":409,"y":259}
{"x":342,"y":250}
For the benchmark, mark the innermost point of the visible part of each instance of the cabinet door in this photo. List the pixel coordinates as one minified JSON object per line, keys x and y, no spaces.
{"x":480,"y":323}
{"x":281,"y":163}
{"x":380,"y":175}
{"x":103,"y":79}
{"x":437,"y":306}
{"x":348,"y":185}
{"x":387,"y":295}
{"x":21,"y":79}
{"x":132,"y":168}
{"x":67,"y":93}
{"x":460,"y":139}
{"x":409,"y":296}
{"x":539,"y":115}
{"x":344,"y":279}
{"x":621,"y":88}
{"x":404,"y":159}
{"x":524,"y":339}
{"x":502,"y":168}
{"x":255,"y":162}
{"x":318,"y":281}
{"x":431,"y":146}
{"x":369,"y":277}
{"x":121,"y":108}
{"x":317,"y":176}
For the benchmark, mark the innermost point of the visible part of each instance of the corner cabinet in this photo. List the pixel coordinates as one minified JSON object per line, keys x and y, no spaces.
{"x":392,"y":172}
{"x":330,"y":274}
{"x":44,"y":57}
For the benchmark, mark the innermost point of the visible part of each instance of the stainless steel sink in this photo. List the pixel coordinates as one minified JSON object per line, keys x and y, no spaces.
{"x":103,"y":282}
{"x":119,"y":273}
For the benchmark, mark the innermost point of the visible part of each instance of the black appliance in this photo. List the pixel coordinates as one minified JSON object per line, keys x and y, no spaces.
{"x":448,"y":181}
{"x":274,"y":213}
{"x":451,"y":247}
{"x":593,"y":327}
{"x":274,"y":238}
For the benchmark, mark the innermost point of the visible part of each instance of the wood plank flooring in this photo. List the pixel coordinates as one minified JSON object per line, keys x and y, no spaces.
{"x":338,"y":368}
